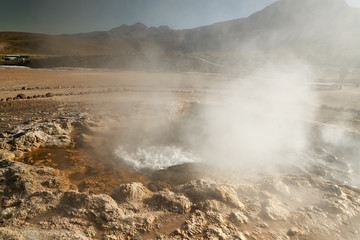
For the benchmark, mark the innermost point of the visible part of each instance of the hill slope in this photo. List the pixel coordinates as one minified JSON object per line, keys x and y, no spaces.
{"x":303,"y":27}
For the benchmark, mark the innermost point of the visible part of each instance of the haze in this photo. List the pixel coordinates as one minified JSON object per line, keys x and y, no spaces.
{"x":57,"y":17}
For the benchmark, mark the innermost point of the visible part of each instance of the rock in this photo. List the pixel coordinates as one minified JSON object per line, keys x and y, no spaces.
{"x":330,"y":206}
{"x":131,"y":192}
{"x":274,"y":210}
{"x":293,"y":232}
{"x":84,"y":216}
{"x":170,"y":201}
{"x":26,"y":179}
{"x":33,"y":233}
{"x":195,"y":225}
{"x":200,"y":190}
{"x":273,"y":185}
{"x":215,"y":233}
{"x":28,"y":207}
{"x":213,"y":205}
{"x":112,"y":237}
{"x":49,"y":94}
{"x":263,"y":225}
{"x":40,"y":203}
{"x":248,"y":190}
{"x":7,"y":154}
{"x":218,"y":219}
{"x":8,"y":234}
{"x":240,"y":236}
{"x":34,"y":135}
{"x":24,"y":194}
{"x":100,"y":208}
{"x":21,"y":96}
{"x":238,"y":218}
{"x":18,"y":154}
{"x":4,"y":145}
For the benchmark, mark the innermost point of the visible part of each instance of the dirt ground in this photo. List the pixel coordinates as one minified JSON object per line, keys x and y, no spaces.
{"x":92,"y":90}
{"x":123,"y":107}
{"x":139,"y":98}
{"x":136,"y":95}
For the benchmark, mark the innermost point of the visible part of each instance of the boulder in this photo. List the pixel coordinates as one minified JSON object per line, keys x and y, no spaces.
{"x":131,"y":192}
{"x":49,"y":94}
{"x":23,"y":179}
{"x":170,"y":201}
{"x":238,"y":218}
{"x":215,"y":233}
{"x":100,"y":208}
{"x":201,"y":190}
{"x":34,"y":135}
{"x":193,"y":226}
{"x":21,"y":96}
{"x":274,"y":210}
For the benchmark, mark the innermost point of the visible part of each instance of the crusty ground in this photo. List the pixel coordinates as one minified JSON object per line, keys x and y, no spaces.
{"x":137,"y":96}
{"x":142,"y":97}
{"x":133,"y":99}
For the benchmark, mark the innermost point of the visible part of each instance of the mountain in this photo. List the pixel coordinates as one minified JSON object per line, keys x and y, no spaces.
{"x":284,"y":24}
{"x":303,"y":27}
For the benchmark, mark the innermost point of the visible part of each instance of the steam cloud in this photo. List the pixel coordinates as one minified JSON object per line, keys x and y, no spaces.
{"x":262,"y":121}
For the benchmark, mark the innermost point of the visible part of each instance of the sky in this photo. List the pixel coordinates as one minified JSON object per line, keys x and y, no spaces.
{"x":75,"y":16}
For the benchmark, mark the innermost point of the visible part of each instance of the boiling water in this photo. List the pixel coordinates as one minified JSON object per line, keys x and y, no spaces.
{"x":339,"y":169}
{"x":337,"y":163}
{"x":155,"y":157}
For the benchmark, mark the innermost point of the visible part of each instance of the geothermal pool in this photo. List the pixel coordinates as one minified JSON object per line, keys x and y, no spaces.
{"x":155,"y":157}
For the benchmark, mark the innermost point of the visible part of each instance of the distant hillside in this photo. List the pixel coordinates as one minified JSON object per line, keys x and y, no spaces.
{"x":321,"y":29}
{"x":293,"y":24}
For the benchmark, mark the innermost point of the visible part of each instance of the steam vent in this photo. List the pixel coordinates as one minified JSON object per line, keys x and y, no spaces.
{"x":134,"y":120}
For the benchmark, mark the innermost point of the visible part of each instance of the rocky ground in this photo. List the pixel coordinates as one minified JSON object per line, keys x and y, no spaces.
{"x":40,"y":203}
{"x":60,"y":180}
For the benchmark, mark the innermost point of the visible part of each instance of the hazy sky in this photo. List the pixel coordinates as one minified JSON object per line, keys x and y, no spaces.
{"x":73,"y":16}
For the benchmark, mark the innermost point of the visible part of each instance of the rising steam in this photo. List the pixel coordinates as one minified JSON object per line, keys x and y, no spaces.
{"x":262,"y":121}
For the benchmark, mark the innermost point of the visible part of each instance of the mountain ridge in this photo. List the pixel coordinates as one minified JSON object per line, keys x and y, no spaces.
{"x":304,"y":27}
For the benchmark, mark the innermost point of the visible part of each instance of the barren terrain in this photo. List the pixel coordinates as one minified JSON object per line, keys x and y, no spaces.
{"x":60,"y":178}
